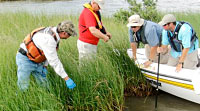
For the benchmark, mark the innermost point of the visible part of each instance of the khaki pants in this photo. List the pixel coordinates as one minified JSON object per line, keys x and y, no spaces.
{"x":190,"y":61}
{"x":86,"y":51}
{"x":163,"y":56}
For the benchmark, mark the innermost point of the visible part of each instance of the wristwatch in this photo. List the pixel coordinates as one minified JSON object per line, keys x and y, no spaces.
{"x":150,"y":60}
{"x":180,"y":63}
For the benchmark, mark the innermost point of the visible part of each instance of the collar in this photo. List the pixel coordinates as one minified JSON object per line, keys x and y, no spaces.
{"x":88,"y":5}
{"x":57,"y":35}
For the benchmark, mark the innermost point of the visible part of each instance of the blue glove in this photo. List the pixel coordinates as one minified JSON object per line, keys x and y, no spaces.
{"x":70,"y":83}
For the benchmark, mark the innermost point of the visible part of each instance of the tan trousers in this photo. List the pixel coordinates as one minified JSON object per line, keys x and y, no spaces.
{"x":190,"y":61}
{"x":163,"y":56}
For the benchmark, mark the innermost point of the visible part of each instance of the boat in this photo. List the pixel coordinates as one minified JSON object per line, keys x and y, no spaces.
{"x":184,"y":84}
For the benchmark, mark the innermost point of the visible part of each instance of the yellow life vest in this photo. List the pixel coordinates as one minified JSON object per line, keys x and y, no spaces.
{"x":34,"y":53}
{"x":88,"y":6}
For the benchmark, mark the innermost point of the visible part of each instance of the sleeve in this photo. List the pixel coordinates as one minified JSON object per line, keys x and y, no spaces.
{"x":165,"y":40}
{"x":48,"y":45}
{"x":90,"y":20}
{"x":185,"y":35}
{"x":152,"y":37}
{"x":130,"y":35}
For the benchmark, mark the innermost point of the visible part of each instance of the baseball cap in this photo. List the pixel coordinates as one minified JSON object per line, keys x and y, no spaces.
{"x":167,"y":19}
{"x":135,"y":20}
{"x":67,"y":26}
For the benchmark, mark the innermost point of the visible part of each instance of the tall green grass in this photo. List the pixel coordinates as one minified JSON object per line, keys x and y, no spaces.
{"x":101,"y":84}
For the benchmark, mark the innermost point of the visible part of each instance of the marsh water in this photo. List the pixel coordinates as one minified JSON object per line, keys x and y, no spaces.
{"x":166,"y":102}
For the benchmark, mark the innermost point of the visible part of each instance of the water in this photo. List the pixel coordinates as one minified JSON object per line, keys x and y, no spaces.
{"x":166,"y":102}
{"x":75,"y":6}
{"x":59,"y":7}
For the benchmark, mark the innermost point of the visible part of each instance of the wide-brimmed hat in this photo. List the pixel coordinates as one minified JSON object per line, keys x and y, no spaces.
{"x":67,"y":26}
{"x":167,"y":19}
{"x":135,"y":20}
{"x":100,"y":3}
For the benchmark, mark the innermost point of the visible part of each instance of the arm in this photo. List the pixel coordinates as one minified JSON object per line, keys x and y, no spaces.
{"x":182,"y":58}
{"x":153,"y":52}
{"x":97,"y":33}
{"x":134,"y":49}
{"x":108,"y":34}
{"x":151,"y":56}
{"x":185,"y":36}
{"x":48,"y":45}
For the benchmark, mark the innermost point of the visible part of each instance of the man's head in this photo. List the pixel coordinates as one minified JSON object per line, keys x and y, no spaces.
{"x":168,"y":22}
{"x":97,"y":4}
{"x":66,"y":28}
{"x":135,"y":22}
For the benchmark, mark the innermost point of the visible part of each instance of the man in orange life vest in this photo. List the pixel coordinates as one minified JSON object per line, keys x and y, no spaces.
{"x":40,"y":49}
{"x":91,"y":30}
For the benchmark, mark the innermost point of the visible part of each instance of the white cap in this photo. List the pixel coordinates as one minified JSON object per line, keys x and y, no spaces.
{"x":167,"y":19}
{"x":135,"y":20}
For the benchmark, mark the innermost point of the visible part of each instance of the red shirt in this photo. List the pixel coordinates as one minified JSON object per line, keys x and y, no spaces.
{"x":86,"y":20}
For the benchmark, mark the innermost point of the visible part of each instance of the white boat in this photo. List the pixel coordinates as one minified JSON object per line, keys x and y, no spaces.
{"x":184,"y":84}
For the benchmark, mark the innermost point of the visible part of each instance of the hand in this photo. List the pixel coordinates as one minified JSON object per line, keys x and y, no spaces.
{"x":70,"y":83}
{"x":109,"y":35}
{"x":178,"y":67}
{"x":106,"y":38}
{"x":147,"y":64}
{"x":159,"y":49}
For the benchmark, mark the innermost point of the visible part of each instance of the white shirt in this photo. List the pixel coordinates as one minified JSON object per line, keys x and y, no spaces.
{"x":48,"y":45}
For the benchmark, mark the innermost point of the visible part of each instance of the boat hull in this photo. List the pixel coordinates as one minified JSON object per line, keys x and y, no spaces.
{"x":178,"y":84}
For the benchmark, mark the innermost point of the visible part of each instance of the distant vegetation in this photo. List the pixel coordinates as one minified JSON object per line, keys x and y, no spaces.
{"x":146,"y":9}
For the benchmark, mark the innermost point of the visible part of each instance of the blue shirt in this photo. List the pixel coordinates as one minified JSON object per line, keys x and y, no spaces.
{"x":152,"y":33}
{"x":185,"y":34}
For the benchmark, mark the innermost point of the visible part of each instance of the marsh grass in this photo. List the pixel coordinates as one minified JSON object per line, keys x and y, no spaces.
{"x":100,"y":84}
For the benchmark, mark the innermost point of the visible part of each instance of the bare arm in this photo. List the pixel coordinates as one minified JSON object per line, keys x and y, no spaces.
{"x":134,"y":49}
{"x":181,"y":60}
{"x":153,"y":52}
{"x":97,"y":33}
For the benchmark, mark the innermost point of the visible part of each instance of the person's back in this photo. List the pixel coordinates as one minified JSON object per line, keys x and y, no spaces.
{"x":152,"y":33}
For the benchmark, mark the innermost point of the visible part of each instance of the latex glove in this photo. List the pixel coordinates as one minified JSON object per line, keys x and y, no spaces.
{"x":70,"y":83}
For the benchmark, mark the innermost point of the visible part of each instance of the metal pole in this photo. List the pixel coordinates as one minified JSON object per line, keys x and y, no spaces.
{"x":156,"y":98}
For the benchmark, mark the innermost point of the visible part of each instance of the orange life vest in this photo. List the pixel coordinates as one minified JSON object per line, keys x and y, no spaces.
{"x":34,"y":53}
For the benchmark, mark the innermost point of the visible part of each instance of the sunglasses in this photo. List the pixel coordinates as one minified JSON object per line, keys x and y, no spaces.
{"x":67,"y":33}
{"x":166,"y":24}
{"x":133,"y":26}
